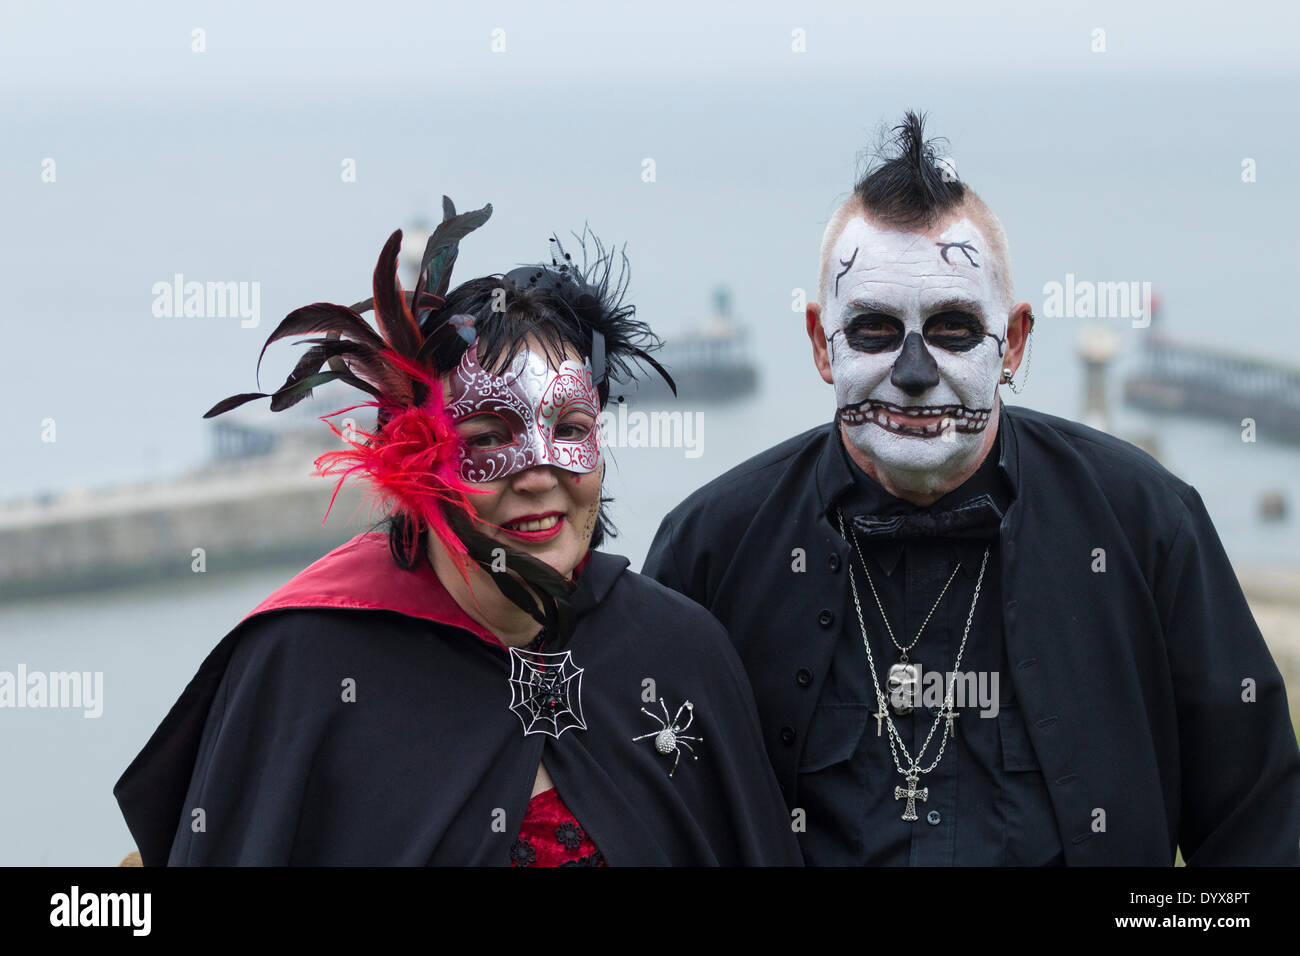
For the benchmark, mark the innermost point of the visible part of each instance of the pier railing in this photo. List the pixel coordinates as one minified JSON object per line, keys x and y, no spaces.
{"x":1197,"y":380}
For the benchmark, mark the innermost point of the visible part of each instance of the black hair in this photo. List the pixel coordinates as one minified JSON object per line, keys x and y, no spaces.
{"x":904,"y":185}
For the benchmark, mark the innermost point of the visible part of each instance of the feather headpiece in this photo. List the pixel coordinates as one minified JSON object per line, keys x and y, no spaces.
{"x":410,"y":462}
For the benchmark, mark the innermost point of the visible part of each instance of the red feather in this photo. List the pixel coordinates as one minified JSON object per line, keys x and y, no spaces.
{"x":413,"y":462}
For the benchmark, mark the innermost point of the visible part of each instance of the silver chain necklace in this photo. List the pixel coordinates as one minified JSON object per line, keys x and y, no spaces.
{"x":904,"y":677}
{"x":889,"y":630}
{"x":914,"y":770}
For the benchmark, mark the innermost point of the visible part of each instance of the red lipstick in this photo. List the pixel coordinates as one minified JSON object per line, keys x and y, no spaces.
{"x":544,"y":535}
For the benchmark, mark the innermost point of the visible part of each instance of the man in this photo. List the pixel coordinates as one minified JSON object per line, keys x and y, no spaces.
{"x":979,"y":634}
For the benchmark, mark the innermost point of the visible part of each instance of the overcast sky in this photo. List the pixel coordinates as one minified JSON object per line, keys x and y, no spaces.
{"x":101,"y":48}
{"x":226,"y":165}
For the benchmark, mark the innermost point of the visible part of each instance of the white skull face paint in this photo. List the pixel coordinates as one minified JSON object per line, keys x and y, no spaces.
{"x":916,"y":330}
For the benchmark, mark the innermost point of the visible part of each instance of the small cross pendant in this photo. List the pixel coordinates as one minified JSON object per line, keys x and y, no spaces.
{"x":951,"y":716}
{"x":880,"y":714}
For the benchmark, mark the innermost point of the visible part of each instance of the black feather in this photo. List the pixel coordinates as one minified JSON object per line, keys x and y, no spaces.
{"x":234,"y":401}
{"x":291,"y":395}
{"x":392,"y":315}
{"x":440,"y":250}
{"x":321,"y":317}
{"x":333,"y":349}
{"x":646,"y":357}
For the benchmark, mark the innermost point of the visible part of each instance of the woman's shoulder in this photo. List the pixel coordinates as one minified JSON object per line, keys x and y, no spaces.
{"x":643,"y":588}
{"x":670,"y":620}
{"x":308,"y":640}
{"x":354,"y":593}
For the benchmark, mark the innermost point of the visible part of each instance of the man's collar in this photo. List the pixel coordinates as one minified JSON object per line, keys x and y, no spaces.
{"x":833,"y":473}
{"x":1009,"y":460}
{"x":840,"y":481}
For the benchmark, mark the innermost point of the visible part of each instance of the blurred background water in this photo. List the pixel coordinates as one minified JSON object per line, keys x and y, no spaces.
{"x":225,"y":165}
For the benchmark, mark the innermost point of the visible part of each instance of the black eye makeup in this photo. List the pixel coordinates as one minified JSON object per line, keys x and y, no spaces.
{"x":954,"y":330}
{"x":957,"y":328}
{"x":873,"y":332}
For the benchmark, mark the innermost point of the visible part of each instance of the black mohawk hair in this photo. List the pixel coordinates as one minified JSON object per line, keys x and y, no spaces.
{"x":905,"y":184}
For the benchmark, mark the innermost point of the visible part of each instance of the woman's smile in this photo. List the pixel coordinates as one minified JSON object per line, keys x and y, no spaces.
{"x":535,"y":527}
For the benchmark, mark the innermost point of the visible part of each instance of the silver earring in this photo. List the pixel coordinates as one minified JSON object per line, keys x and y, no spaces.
{"x":1006,"y":372}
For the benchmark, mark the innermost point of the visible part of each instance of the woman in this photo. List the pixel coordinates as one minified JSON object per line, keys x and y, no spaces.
{"x":475,"y":685}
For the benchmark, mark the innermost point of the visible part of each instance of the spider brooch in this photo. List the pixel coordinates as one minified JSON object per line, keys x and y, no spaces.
{"x":669,"y":739}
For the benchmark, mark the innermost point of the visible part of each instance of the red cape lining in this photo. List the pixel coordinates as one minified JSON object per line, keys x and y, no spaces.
{"x":361,"y":575}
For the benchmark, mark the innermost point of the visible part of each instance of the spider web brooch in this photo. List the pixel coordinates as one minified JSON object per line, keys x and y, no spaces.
{"x":546,"y":692}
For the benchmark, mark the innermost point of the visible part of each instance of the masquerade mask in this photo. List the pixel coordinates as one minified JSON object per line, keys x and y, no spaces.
{"x":528,"y":402}
{"x":915,"y":327}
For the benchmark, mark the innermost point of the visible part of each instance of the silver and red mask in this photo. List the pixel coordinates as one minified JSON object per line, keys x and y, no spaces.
{"x":530,"y":399}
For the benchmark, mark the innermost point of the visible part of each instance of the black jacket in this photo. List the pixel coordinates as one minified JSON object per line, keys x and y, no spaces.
{"x":1131,"y":680}
{"x":429,"y":765}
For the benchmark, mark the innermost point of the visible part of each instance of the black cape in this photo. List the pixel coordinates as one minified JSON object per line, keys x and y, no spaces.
{"x":262,"y":762}
{"x":1130,"y":680}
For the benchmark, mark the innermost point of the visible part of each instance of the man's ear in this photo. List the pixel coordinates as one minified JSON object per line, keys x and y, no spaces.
{"x":1019,"y":324}
{"x":813,"y":316}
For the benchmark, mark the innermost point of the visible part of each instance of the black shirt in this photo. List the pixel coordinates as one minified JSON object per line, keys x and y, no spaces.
{"x":986,"y":802}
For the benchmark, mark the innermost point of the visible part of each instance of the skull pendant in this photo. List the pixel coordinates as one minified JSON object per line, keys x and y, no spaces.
{"x":904,"y":683}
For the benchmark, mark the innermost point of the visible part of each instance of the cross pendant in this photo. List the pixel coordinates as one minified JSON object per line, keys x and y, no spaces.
{"x":951,"y":716}
{"x":880,"y":714}
{"x":912,"y":794}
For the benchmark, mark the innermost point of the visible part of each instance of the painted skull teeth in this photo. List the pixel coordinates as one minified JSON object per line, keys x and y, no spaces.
{"x":965,"y":420}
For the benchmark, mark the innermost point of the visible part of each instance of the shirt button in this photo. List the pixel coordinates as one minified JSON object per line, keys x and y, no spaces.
{"x":826,"y":618}
{"x":834,"y":563}
{"x":803,"y":677}
{"x":787,"y":735}
{"x":933,"y":818}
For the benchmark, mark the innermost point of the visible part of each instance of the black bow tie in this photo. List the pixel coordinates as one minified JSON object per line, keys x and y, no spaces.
{"x":980,"y":517}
